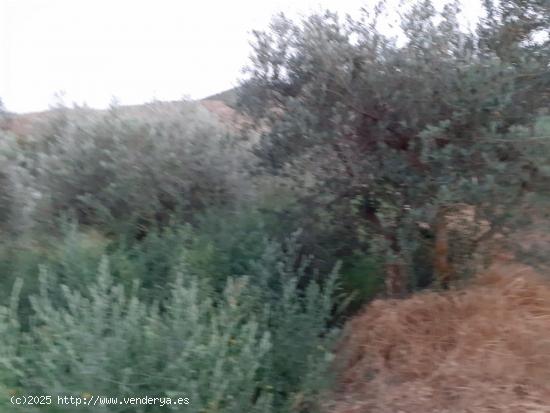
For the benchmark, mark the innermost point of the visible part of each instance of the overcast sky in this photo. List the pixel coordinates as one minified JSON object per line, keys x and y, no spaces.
{"x":134,"y":50}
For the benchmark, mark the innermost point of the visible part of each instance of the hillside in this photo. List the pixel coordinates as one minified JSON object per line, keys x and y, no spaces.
{"x":218,"y":105}
{"x":229,"y":97}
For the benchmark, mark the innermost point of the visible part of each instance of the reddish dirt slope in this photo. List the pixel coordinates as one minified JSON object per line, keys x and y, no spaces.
{"x":226,"y":114}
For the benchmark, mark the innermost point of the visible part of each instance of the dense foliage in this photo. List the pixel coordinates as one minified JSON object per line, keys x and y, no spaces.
{"x":139,"y":266}
{"x":93,"y":164}
{"x":388,"y":130}
{"x":249,"y":347}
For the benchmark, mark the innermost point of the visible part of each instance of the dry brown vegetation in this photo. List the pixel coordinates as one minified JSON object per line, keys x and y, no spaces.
{"x":483,"y":348}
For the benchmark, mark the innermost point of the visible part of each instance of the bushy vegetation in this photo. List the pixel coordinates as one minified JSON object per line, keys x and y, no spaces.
{"x":389,"y":130}
{"x":261,"y":343}
{"x":155,"y":251}
{"x":91,"y":165}
{"x":139,"y":266}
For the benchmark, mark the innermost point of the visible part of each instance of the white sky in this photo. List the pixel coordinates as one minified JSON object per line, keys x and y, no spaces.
{"x":134,"y":50}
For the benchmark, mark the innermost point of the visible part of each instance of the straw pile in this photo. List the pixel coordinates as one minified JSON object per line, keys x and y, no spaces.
{"x":485,"y":348}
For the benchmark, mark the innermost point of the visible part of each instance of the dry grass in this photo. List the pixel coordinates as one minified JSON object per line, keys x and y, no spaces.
{"x":485,"y":348}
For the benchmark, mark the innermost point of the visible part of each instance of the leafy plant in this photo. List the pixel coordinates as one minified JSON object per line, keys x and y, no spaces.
{"x":247,"y":348}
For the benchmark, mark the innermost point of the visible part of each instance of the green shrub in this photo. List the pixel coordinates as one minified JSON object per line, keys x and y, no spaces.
{"x":363,"y":276}
{"x":227,"y":243}
{"x":108,"y":342}
{"x":73,"y":257}
{"x":113,"y":168}
{"x":17,"y":199}
{"x":261,"y":344}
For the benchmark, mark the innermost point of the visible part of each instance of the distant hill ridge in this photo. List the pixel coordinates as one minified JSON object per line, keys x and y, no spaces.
{"x":229,"y":97}
{"x":221,"y":105}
